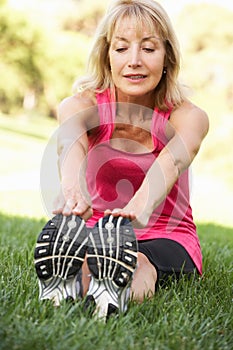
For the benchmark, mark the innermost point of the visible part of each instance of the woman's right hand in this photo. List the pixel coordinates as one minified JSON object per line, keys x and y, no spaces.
{"x":71,"y":201}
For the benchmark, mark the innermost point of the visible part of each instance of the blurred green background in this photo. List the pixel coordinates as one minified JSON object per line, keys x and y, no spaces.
{"x":43,"y":49}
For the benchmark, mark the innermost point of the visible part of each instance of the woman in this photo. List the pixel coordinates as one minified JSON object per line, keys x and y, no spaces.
{"x":124,"y":160}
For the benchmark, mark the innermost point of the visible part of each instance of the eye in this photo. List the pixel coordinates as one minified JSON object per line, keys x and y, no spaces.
{"x":121,"y":49}
{"x":148,"y":49}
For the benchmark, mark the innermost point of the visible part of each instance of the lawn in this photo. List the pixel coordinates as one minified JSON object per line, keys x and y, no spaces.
{"x":193,"y":314}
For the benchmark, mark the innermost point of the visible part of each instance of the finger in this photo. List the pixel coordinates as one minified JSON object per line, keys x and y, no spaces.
{"x":128,"y":215}
{"x":57,"y":211}
{"x":87,"y":215}
{"x":116,"y":212}
{"x":132,"y":216}
{"x":69,"y":205}
{"x":81,"y":207}
{"x":107,"y":212}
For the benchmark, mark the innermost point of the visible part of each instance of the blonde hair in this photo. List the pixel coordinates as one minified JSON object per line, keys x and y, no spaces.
{"x":151,"y":13}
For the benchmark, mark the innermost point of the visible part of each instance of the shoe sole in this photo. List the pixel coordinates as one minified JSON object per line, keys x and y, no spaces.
{"x":59,"y":255}
{"x":112,"y":259}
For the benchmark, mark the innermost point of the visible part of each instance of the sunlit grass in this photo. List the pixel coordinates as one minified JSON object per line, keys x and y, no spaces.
{"x":22,"y":144}
{"x":194,"y":314}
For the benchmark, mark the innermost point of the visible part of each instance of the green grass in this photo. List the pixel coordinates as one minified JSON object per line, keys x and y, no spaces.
{"x":192,"y":314}
{"x":22,"y":142}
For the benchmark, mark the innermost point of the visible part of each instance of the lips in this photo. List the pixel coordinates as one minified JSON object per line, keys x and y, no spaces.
{"x":135,"y":76}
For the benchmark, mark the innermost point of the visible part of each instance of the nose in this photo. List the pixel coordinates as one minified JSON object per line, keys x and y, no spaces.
{"x":135,"y":58}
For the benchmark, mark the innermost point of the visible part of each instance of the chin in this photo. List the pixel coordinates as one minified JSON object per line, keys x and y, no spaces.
{"x":135,"y":93}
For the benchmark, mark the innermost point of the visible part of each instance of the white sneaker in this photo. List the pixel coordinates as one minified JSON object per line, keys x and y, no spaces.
{"x":112,"y":259}
{"x":59,"y":255}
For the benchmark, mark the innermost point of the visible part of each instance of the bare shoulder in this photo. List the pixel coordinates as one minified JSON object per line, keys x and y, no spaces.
{"x":75,"y":104}
{"x":189,"y":116}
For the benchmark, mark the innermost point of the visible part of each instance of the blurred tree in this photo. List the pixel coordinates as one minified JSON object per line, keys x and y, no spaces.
{"x":85,"y":17}
{"x":21,"y":46}
{"x":37,"y":67}
{"x":206,"y":34}
{"x":206,"y":26}
{"x":66,"y":57}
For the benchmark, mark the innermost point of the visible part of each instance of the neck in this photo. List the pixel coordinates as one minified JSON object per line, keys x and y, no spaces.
{"x":147,"y":100}
{"x":132,"y":113}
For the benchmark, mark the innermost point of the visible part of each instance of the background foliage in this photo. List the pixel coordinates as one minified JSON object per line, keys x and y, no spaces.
{"x":38,"y":62}
{"x":43,"y":48}
{"x":41,"y":61}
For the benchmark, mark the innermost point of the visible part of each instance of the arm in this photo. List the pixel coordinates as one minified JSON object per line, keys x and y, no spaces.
{"x":188,"y":127}
{"x":72,"y":151}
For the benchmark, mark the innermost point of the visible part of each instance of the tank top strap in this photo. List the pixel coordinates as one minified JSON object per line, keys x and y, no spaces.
{"x":106,"y":110}
{"x":158,"y":127}
{"x":106,"y":107}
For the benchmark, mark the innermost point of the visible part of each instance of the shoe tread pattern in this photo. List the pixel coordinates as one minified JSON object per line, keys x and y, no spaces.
{"x":112,"y":251}
{"x":61,"y":247}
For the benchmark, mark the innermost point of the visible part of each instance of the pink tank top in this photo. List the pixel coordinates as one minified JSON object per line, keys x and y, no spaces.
{"x":113,"y":177}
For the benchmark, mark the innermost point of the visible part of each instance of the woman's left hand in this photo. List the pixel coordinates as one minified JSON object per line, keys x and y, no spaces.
{"x":139,"y":220}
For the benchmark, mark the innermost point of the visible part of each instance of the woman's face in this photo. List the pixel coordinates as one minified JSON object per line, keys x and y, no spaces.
{"x":136,"y":60}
